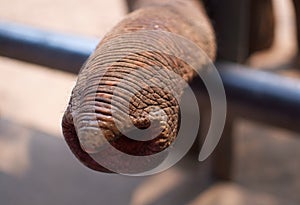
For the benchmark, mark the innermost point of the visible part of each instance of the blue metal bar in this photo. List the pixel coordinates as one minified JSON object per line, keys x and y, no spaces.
{"x":262,"y":96}
{"x":61,"y":51}
{"x":260,"y":87}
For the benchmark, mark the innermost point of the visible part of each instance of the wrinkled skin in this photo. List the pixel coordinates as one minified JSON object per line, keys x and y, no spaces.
{"x":93,"y":95}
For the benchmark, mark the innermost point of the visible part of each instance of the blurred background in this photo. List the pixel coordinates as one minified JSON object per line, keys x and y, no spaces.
{"x":36,"y":166}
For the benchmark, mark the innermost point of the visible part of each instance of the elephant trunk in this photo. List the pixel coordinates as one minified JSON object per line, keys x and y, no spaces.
{"x":130,"y":85}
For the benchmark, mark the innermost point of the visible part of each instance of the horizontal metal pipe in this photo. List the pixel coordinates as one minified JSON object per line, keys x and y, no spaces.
{"x":257,"y":95}
{"x":265,"y":89}
{"x":60,"y":51}
{"x":261,"y":96}
{"x":251,"y":93}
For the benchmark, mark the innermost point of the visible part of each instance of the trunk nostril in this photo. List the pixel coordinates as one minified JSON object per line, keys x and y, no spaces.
{"x":142,"y":123}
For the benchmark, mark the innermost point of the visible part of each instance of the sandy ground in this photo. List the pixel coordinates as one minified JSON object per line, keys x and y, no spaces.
{"x":36,"y":166}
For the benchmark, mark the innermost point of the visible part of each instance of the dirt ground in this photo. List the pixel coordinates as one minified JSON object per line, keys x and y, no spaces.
{"x":36,"y":167}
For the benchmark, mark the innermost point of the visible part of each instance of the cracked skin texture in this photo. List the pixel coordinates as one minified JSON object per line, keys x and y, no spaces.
{"x":170,"y":16}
